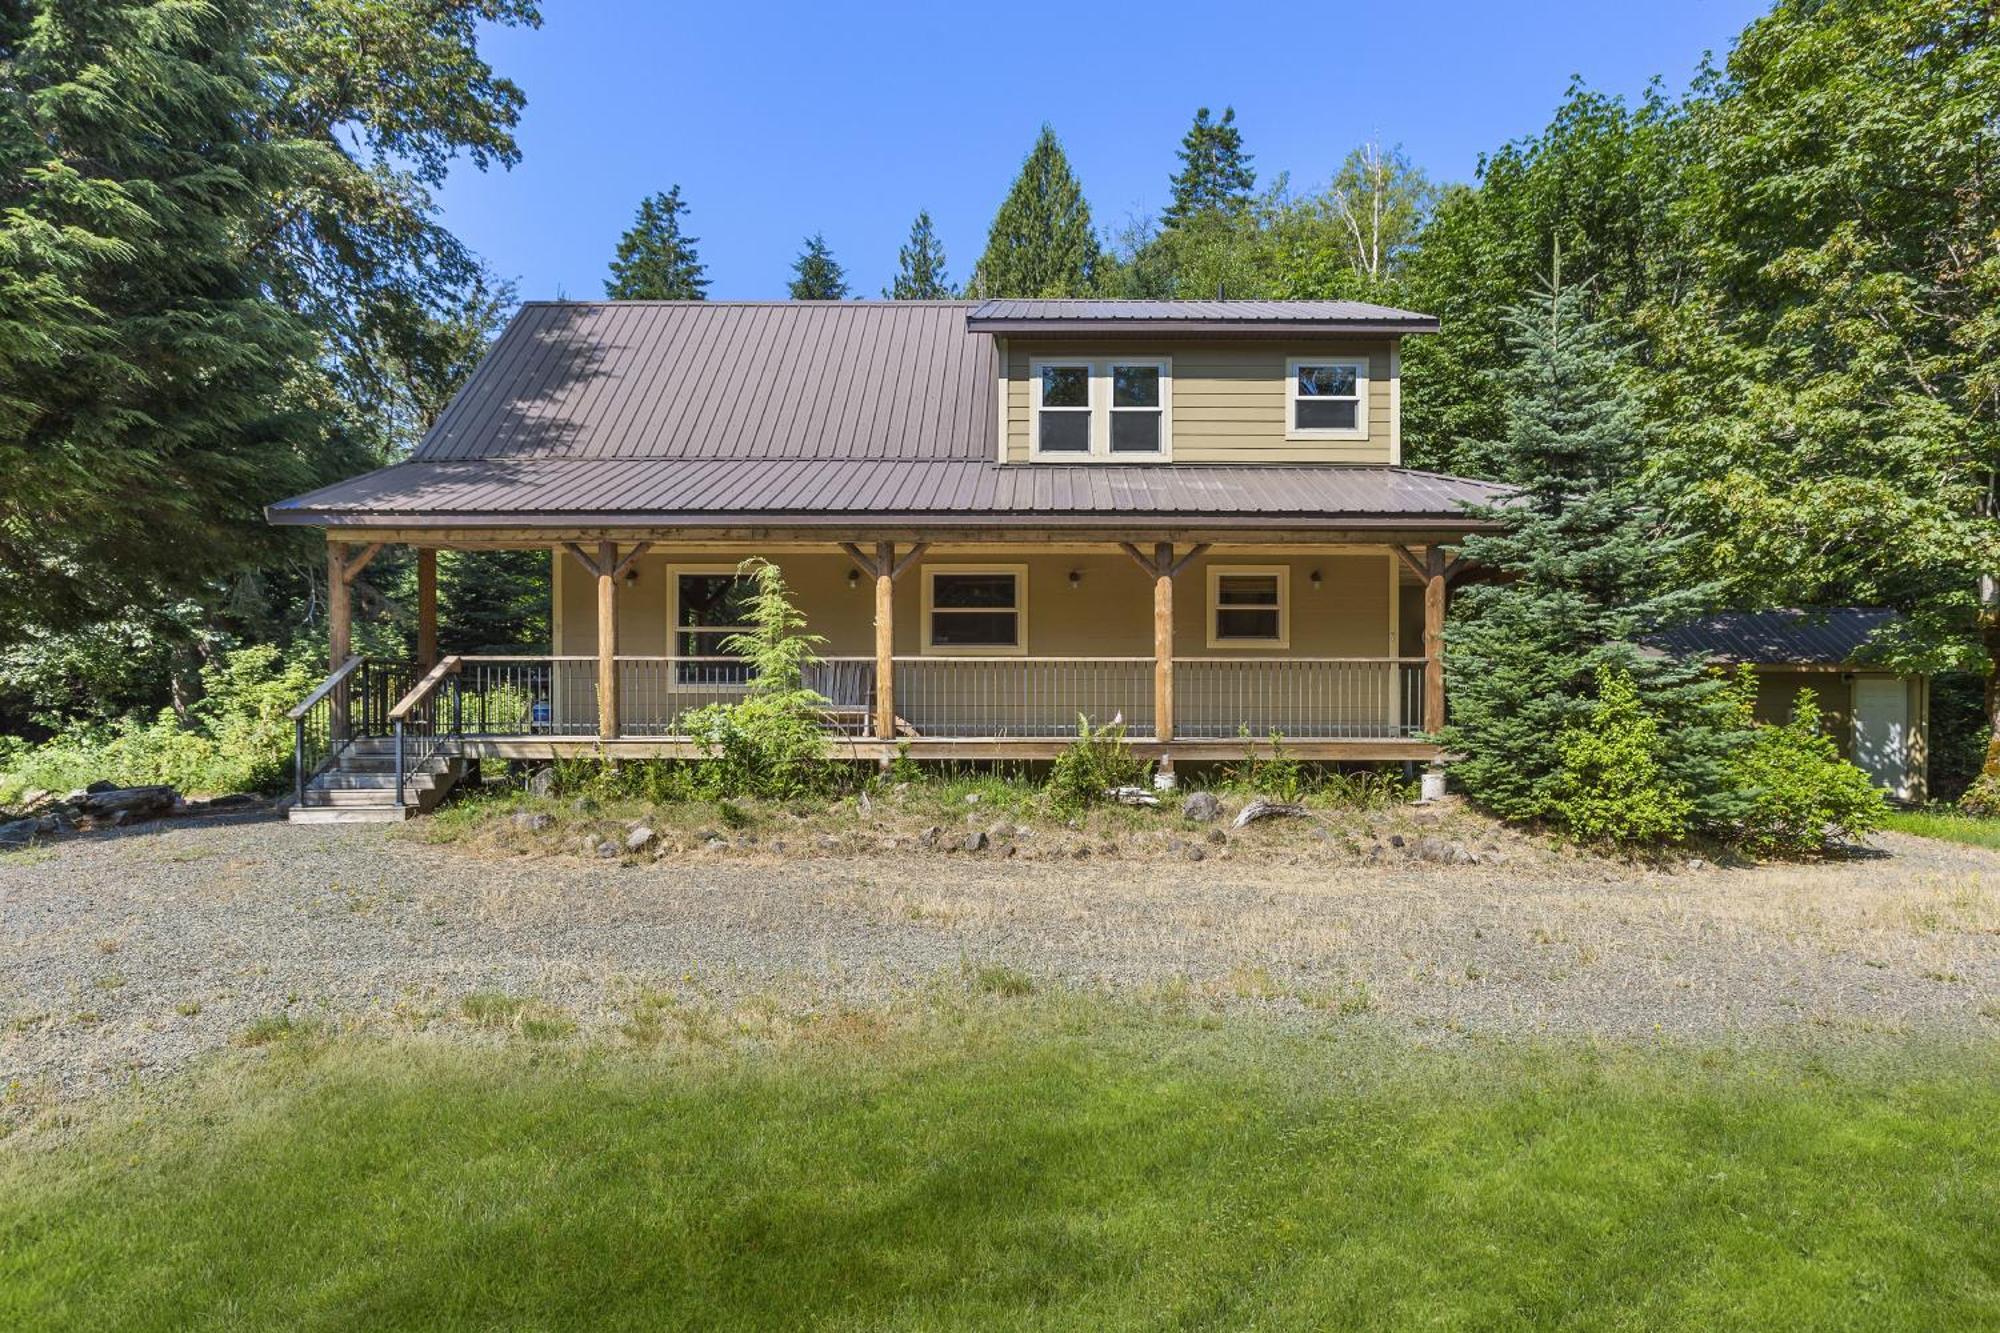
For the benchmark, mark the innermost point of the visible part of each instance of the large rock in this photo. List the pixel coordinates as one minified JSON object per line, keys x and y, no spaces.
{"x":534,"y":821}
{"x":1202,"y":807}
{"x":19,"y":832}
{"x":541,"y":782}
{"x":639,"y":839}
{"x":132,"y":803}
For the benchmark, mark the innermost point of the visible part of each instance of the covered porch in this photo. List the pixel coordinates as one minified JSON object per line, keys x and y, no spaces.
{"x":942,"y":646}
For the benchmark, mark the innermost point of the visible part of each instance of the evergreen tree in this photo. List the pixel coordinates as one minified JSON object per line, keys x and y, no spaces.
{"x":1215,"y":174}
{"x":816,"y":274}
{"x":655,"y":262}
{"x":1042,"y":243}
{"x":1586,"y":560}
{"x":920,"y":272}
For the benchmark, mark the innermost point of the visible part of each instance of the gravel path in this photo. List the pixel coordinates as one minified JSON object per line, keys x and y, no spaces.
{"x":124,"y":956}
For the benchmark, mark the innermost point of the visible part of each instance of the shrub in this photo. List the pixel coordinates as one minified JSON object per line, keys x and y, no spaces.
{"x":1800,"y":791}
{"x":1610,"y":783}
{"x":1280,"y":777}
{"x":237,"y":738}
{"x":1098,"y":760}
{"x":773,"y":743}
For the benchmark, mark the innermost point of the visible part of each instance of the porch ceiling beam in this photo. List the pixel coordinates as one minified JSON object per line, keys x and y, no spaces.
{"x":862,"y":559}
{"x":1194,"y":553}
{"x":1143,"y":561}
{"x":582,"y":558}
{"x":911,"y":557}
{"x":1410,"y":561}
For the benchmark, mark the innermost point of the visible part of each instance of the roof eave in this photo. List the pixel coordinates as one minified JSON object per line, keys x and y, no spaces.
{"x":851,"y":521}
{"x":1155,"y":328}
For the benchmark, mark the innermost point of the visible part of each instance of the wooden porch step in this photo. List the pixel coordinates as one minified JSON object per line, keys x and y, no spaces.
{"x":345,"y":797}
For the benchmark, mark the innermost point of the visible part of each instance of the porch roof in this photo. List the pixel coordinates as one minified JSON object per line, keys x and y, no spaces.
{"x":668,"y":492}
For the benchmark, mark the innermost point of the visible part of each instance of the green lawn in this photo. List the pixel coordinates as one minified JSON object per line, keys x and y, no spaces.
{"x":1946,"y":824}
{"x":1046,"y":1164}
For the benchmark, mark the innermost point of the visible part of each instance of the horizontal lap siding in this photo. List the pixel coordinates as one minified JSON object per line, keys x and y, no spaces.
{"x":1229,"y":399}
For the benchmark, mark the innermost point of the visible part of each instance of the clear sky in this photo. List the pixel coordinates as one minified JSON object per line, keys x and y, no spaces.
{"x":779,"y":119}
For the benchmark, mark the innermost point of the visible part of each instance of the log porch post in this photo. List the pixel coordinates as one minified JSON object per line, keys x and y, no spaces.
{"x":1436,"y":574}
{"x":427,"y":607}
{"x":607,"y":640}
{"x":339,"y":607}
{"x":885,"y":641}
{"x":1163,"y":642}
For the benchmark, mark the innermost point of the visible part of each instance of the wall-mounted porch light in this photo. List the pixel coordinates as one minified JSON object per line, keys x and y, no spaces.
{"x":1076,"y":578}
{"x":853,"y":577}
{"x":1313,"y":578}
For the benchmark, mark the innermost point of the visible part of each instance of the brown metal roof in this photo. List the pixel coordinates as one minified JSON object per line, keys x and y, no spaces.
{"x":524,"y":492}
{"x":722,"y":379}
{"x":694,"y":411}
{"x":1837,"y":637}
{"x":1185,"y":317}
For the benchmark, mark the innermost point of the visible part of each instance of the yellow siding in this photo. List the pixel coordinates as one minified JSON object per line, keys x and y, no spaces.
{"x":1229,"y":398}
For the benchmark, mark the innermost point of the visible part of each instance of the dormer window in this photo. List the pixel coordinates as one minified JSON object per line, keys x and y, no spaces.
{"x":1327,"y":400}
{"x":1100,"y":411}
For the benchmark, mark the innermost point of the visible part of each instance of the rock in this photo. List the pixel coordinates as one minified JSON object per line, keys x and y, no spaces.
{"x":100,"y":786}
{"x":1263,"y":809}
{"x":1000,"y":832}
{"x":1218,"y":837}
{"x":607,"y":850}
{"x":1440,"y":852}
{"x":1081,"y":852}
{"x":534,"y":821}
{"x":56,"y":823}
{"x":1132,"y":796}
{"x":826,"y":842}
{"x":1194,"y":853}
{"x":928,"y":839}
{"x":1425,"y":817}
{"x":710,"y":835}
{"x":975,"y":841}
{"x":1202,"y":807}
{"x":639,"y":839}
{"x":541,"y":782}
{"x":972,"y":798}
{"x":589,"y":843}
{"x":1396,"y":840}
{"x":19,"y":832}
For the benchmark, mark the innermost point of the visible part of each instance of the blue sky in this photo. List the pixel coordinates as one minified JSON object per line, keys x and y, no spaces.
{"x":781,"y":119}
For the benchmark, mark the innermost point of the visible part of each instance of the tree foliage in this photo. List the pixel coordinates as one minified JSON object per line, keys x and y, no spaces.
{"x":920,"y":266}
{"x":1215,"y":176}
{"x":1042,"y":243}
{"x":655,"y":260}
{"x":816,"y":275}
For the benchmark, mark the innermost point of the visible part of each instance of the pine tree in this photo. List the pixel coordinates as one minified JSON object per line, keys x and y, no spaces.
{"x":817,"y":276}
{"x":1586,"y":561}
{"x":1215,"y":174}
{"x":1042,"y":243}
{"x":920,"y":272}
{"x":655,"y":262}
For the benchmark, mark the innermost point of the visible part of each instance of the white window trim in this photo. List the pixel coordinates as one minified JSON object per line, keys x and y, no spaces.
{"x":1283,"y":574}
{"x":1359,"y":431}
{"x":1019,"y":649}
{"x":674,"y":626}
{"x":1100,"y":410}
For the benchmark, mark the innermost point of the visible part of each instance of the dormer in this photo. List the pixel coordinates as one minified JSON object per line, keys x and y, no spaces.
{"x":1123,"y":382}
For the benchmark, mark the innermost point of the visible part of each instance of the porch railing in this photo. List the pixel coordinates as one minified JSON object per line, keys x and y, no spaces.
{"x":1302,"y":698}
{"x":1023,"y":697}
{"x":655,"y":694}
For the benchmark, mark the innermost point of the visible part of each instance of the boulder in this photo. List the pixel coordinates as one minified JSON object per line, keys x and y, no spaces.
{"x":639,"y":839}
{"x":542,"y":781}
{"x":534,"y":821}
{"x":928,"y":839}
{"x":19,"y":832}
{"x":1202,"y":807}
{"x":975,"y":841}
{"x":1194,"y":852}
{"x":1263,"y":809}
{"x":102,"y":801}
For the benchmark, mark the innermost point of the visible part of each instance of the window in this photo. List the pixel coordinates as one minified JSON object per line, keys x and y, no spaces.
{"x":975,"y":609}
{"x":1136,"y":426}
{"x":1327,"y":400}
{"x":1096,"y":411}
{"x":709,"y":605}
{"x":1249,"y":606}
{"x":1062,"y":417}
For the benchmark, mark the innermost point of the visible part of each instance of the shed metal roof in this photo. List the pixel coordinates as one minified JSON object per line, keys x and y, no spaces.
{"x":1775,"y":638}
{"x":1184,"y":317}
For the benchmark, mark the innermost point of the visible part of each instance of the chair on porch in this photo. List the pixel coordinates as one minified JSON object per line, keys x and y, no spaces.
{"x":849,"y":690}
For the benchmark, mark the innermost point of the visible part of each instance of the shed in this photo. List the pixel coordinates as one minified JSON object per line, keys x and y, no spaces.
{"x":1880,"y":718}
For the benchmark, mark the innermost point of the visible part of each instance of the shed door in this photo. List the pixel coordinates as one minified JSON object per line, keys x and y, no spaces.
{"x":1882,"y":732}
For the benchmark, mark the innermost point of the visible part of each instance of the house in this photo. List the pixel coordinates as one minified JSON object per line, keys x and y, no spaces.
{"x":1879,"y":718}
{"x":999,"y":515}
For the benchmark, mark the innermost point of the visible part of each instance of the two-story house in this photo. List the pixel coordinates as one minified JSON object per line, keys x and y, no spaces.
{"x":999,"y":515}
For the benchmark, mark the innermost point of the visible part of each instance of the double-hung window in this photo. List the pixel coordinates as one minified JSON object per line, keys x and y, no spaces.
{"x":975,"y":609}
{"x":710,"y":606}
{"x":1326,"y":399}
{"x":1249,"y":606}
{"x":1099,"y":410}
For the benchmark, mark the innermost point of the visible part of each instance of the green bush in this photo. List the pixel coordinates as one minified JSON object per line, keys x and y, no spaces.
{"x":1801,"y":792}
{"x":774,"y":742}
{"x":1097,"y":761}
{"x":1280,"y":777}
{"x":237,"y":738}
{"x":1610,"y":785}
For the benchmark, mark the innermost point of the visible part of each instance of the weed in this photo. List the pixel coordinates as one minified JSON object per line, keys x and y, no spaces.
{"x":1006,"y":982}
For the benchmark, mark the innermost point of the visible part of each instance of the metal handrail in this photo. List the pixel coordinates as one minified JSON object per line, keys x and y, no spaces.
{"x":327,"y":686}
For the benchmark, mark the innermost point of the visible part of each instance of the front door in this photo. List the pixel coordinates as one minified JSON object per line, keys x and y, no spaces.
{"x":1882,"y":732}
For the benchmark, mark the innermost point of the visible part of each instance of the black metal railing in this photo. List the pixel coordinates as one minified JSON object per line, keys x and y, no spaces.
{"x":351,"y":704}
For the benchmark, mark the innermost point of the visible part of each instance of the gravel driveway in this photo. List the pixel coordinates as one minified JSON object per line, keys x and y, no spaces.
{"x":130,"y":955}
